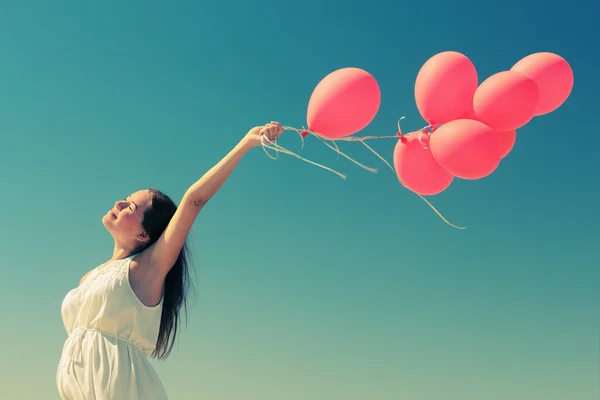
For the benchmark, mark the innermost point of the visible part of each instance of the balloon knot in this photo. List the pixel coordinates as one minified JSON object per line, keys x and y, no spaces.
{"x":403,"y":139}
{"x":304,"y":134}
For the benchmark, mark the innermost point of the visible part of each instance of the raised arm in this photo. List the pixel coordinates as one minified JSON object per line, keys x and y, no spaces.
{"x":164,"y":252}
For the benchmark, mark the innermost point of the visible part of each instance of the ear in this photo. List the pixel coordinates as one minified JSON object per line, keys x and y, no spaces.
{"x":142,"y":237}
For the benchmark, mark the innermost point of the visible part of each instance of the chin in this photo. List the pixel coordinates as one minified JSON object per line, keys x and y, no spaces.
{"x":106,"y":220}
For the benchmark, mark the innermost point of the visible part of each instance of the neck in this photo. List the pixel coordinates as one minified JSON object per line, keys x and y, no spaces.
{"x":121,"y":251}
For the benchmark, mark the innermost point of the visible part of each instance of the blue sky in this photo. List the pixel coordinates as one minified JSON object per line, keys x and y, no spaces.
{"x":308,"y":286}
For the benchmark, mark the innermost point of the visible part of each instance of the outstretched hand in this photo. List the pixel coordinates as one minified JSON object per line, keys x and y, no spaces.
{"x":270,"y":131}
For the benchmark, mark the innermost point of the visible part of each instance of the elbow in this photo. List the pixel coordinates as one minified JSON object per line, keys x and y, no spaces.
{"x":198,"y":200}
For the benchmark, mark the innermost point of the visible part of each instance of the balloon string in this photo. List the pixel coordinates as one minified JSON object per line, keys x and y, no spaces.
{"x":333,"y":143}
{"x":266,"y":144}
{"x":333,"y":147}
{"x":436,"y":211}
{"x":337,"y":149}
{"x":378,"y":155}
{"x":362,"y":140}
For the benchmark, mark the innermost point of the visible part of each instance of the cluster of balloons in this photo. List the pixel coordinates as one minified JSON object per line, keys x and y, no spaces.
{"x":472,"y":126}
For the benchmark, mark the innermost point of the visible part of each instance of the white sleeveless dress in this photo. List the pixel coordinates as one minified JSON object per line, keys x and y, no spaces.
{"x":111,"y":333}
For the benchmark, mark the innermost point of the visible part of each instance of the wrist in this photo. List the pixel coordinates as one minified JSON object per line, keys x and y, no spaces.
{"x":247,"y":143}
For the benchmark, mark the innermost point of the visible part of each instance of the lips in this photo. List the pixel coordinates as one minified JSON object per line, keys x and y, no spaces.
{"x":112,"y":214}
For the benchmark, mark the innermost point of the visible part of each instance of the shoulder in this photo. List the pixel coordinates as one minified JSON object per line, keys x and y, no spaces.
{"x":86,"y":276}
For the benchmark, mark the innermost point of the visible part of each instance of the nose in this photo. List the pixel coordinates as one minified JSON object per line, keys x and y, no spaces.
{"x":119,"y":204}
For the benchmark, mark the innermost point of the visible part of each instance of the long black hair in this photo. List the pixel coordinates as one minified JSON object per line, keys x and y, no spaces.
{"x":177,"y":281}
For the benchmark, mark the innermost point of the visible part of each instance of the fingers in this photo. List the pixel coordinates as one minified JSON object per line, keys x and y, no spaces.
{"x":277,"y":124}
{"x":272,"y":131}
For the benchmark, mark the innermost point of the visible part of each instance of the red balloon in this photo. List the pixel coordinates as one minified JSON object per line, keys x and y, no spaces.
{"x":445,"y":86}
{"x":466,"y":148}
{"x":507,"y":141}
{"x":416,"y":168}
{"x":470,"y":114}
{"x":507,"y":138}
{"x":506,"y":100}
{"x":343,"y":103}
{"x":553,"y":76}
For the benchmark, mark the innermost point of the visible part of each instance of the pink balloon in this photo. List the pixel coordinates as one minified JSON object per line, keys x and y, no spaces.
{"x":507,"y":141}
{"x":445,"y":86}
{"x":416,"y":168}
{"x":553,"y":76}
{"x":466,"y":148}
{"x":343,"y":103}
{"x":470,"y":114}
{"x":507,"y":138}
{"x":506,"y":100}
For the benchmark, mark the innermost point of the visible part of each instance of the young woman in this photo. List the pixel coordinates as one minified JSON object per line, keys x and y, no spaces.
{"x":127,"y":309}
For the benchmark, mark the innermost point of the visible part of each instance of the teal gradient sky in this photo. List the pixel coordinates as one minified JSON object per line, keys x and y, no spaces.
{"x":309,"y":287}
